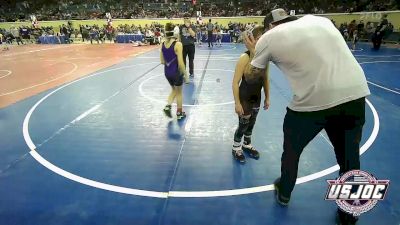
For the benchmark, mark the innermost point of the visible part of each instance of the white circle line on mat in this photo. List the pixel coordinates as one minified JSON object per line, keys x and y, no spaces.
{"x":380,"y":86}
{"x":156,"y":194}
{"x":75,"y":67}
{"x":8,"y":73}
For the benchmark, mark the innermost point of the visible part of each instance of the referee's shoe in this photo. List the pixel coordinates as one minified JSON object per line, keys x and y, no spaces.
{"x":280,"y":199}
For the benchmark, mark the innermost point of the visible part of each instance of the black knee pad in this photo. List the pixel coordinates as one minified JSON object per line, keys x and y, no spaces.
{"x":244,"y":120}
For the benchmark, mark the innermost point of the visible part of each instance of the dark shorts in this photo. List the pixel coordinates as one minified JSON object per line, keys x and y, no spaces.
{"x":176,"y":80}
{"x":250,"y":102}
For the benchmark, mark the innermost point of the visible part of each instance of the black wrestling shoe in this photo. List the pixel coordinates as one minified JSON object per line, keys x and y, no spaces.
{"x":249,"y":149}
{"x":237,"y":153}
{"x":167,"y":111}
{"x":180,"y":115}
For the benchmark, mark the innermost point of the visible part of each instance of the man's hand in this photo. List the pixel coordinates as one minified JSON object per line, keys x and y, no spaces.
{"x":239,"y":109}
{"x":191,"y":32}
{"x":266,"y":104}
{"x":250,"y":43}
{"x":250,"y":70}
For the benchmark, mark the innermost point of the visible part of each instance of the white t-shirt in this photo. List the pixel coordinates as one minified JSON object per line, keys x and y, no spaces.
{"x":317,"y":62}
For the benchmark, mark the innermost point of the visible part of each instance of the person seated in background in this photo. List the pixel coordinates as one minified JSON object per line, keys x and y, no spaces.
{"x":204,"y":32}
{"x":346,"y":34}
{"x":218,"y":37}
{"x":351,"y":28}
{"x":355,"y":39}
{"x":102,"y":35}
{"x":149,"y":36}
{"x":158,"y":35}
{"x":361,"y":28}
{"x":369,"y":29}
{"x":64,"y":31}
{"x":110,"y":33}
{"x":236,"y":34}
{"x":94,"y":34}
{"x":389,"y":30}
{"x":16,"y":35}
{"x":25,"y":33}
{"x":2,"y":39}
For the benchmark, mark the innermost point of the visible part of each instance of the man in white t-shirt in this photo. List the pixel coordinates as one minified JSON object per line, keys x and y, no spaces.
{"x":328,"y":85}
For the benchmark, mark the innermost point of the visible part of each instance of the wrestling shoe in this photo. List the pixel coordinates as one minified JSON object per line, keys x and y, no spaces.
{"x":167,"y":111}
{"x":249,"y":149}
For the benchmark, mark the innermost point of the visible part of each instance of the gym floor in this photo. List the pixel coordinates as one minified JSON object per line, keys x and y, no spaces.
{"x":84,"y":141}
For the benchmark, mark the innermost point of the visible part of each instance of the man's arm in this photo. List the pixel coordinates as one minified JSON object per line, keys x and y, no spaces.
{"x":384,"y":26}
{"x":251,"y":70}
{"x":266,"y":88}
{"x":251,"y":46}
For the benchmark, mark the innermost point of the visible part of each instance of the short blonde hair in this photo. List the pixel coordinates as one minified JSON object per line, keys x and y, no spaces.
{"x":258,"y":31}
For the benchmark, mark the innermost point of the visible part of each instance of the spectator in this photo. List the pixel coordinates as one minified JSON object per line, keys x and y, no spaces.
{"x":369,"y":28}
{"x":94,"y":34}
{"x":210,"y":28}
{"x":110,"y":33}
{"x":361,"y":28}
{"x":380,"y":33}
{"x":16,"y":35}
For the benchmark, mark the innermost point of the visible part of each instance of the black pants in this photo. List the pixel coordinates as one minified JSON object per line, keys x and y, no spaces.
{"x":342,"y":123}
{"x":67,"y":40}
{"x":377,"y":40}
{"x":109,"y":37}
{"x":85,"y":36}
{"x":210,"y":39}
{"x":189,"y":50}
{"x":94,"y":37}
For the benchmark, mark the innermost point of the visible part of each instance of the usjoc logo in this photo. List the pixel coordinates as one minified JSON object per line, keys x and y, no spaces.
{"x":356,"y":191}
